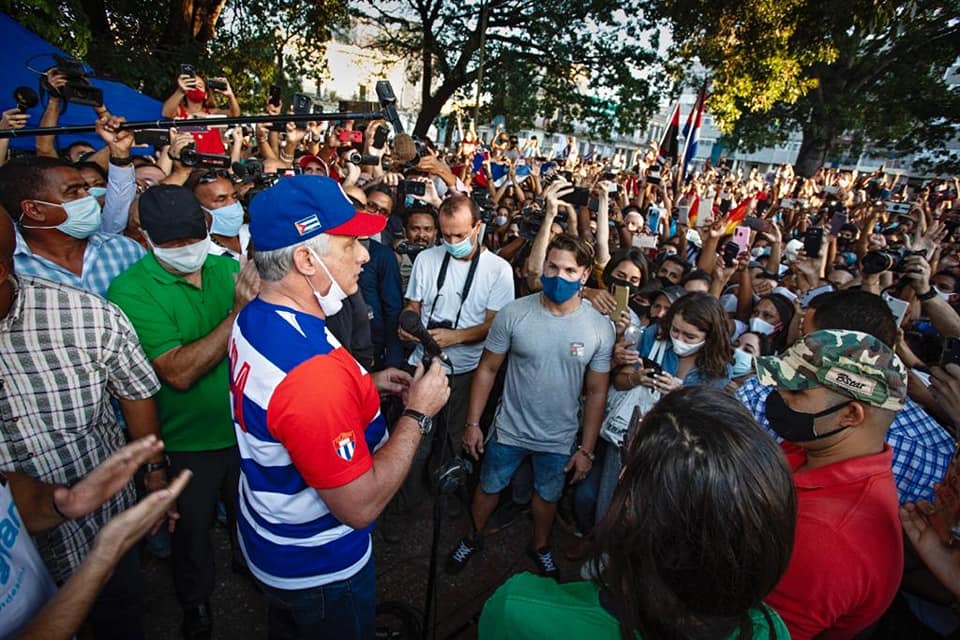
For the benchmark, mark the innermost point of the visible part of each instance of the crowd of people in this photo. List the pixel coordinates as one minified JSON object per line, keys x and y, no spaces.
{"x":745,"y":383}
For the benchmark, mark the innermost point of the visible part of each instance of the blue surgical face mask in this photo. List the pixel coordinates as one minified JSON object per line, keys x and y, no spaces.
{"x":460,"y":249}
{"x":226,"y":220}
{"x":559,"y":290}
{"x":83,"y":217}
{"x":97,"y":192}
{"x":742,"y":363}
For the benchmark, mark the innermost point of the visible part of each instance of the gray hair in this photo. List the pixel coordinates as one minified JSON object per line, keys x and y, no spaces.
{"x":275,"y":265}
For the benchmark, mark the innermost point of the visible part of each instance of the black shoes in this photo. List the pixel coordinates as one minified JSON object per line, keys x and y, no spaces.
{"x":197,"y":622}
{"x":546,"y":566}
{"x":459,"y":557}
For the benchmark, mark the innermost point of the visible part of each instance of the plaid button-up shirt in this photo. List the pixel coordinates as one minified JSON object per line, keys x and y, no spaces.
{"x":922,"y":449}
{"x":63,"y":352}
{"x":107,"y":255}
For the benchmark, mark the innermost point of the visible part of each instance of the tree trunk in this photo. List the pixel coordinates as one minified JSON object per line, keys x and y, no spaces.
{"x":816,"y":144}
{"x":429,"y":110}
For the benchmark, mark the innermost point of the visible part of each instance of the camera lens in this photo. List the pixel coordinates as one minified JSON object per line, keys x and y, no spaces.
{"x":877,"y":262}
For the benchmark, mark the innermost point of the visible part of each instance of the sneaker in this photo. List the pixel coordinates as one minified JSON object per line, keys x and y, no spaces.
{"x":457,"y":560}
{"x":545,"y":563}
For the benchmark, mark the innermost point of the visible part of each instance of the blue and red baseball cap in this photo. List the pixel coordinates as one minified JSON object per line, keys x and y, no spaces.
{"x":298,"y":208}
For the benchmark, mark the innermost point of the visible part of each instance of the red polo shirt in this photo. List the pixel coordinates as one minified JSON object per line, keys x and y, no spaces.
{"x":848,"y":554}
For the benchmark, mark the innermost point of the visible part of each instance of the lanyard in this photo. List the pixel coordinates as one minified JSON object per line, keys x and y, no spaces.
{"x":442,"y":276}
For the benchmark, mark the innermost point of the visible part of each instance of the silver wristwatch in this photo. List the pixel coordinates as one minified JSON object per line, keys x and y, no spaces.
{"x":424,"y":421}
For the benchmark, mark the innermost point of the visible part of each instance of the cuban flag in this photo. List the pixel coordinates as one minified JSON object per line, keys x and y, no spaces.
{"x":308,"y":224}
{"x":345,"y":444}
{"x":691,"y":130}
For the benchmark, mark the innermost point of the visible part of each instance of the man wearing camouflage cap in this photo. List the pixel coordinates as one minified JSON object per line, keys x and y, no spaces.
{"x":836,"y":395}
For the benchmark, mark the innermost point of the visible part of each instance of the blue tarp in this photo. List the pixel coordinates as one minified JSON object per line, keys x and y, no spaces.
{"x":21,"y":46}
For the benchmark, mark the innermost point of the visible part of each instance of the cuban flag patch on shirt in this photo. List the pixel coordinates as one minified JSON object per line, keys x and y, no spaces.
{"x":345,"y":444}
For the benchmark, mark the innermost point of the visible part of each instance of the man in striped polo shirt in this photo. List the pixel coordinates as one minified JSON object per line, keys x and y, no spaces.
{"x":317,"y":466}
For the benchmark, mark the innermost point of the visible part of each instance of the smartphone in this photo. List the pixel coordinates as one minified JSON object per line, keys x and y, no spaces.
{"x":301,"y":106}
{"x":350,"y":136}
{"x":897,"y":307}
{"x":741,"y":236}
{"x":787,"y":203}
{"x":644,"y":241}
{"x":188,"y":70}
{"x":837,"y":220}
{"x":684,"y":214}
{"x":730,"y":252}
{"x":613,"y":188}
{"x":653,"y":220}
{"x":413,"y":187}
{"x":578,"y":197}
{"x":622,"y":296}
{"x":216,"y":85}
{"x":812,"y":242}
{"x":655,"y":368}
{"x":156,"y":138}
{"x":705,"y":212}
{"x":807,"y":297}
{"x":380,"y":136}
{"x":725,"y":202}
{"x":274,"y":95}
{"x":830,"y":190}
{"x":898,"y":208}
{"x":951,"y":351}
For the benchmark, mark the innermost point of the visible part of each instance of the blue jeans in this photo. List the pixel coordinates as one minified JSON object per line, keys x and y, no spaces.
{"x":344,"y":609}
{"x":500,"y":461}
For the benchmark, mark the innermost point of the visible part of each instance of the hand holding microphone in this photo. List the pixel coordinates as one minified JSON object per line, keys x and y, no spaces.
{"x":410,"y":322}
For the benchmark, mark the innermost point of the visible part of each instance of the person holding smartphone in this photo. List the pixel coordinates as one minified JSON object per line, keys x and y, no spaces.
{"x":192,"y":99}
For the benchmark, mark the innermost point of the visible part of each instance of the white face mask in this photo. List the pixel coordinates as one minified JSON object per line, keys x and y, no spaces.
{"x":684,"y":349}
{"x":761,"y":326}
{"x":944,"y":294}
{"x":333,"y":301}
{"x":187,"y":259}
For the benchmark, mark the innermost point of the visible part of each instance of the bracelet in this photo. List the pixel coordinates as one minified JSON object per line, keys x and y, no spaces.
{"x":590,"y":456}
{"x":929,"y":295}
{"x":121,"y":162}
{"x":473,"y":424}
{"x":53,"y":503}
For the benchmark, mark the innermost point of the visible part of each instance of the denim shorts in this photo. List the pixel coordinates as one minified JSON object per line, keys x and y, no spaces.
{"x":500,"y":461}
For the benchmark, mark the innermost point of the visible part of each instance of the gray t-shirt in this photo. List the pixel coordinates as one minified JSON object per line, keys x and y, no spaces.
{"x":548,"y":359}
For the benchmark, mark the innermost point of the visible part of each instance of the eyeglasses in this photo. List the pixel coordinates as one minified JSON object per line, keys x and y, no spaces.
{"x":212,"y":175}
{"x":372,"y":207}
{"x":356,"y":203}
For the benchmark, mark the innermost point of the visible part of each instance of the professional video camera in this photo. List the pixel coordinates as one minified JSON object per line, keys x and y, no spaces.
{"x":532,"y":216}
{"x":488,"y":209}
{"x":411,"y":249}
{"x":78,"y":88}
{"x":190,"y":157}
{"x":886,"y":260}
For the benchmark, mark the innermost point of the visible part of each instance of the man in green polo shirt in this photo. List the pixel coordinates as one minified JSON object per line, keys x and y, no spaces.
{"x":182,"y":303}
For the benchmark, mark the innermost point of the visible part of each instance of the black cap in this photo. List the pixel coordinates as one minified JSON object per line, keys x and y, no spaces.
{"x":171,"y":212}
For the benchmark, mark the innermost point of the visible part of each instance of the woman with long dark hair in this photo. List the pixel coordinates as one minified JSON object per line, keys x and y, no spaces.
{"x":700,"y":530}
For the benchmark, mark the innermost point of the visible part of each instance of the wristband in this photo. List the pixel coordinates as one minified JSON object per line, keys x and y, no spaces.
{"x":929,"y":295}
{"x":590,"y":456}
{"x":473,"y":424}
{"x":53,"y":503}
{"x":121,"y":162}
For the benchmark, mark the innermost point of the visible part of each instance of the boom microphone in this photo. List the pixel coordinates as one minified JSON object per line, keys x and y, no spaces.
{"x":404,"y":148}
{"x":410,"y":322}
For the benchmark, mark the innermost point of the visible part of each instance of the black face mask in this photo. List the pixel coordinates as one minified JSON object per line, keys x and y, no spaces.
{"x":796,"y":426}
{"x":642,"y":310}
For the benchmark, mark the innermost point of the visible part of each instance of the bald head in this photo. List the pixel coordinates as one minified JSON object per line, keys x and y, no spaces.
{"x":356,"y":194}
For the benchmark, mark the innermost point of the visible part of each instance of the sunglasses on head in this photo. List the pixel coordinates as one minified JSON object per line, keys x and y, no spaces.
{"x":213,"y":174}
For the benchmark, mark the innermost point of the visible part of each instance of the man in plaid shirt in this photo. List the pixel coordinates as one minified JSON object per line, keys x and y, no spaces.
{"x":63,"y":353}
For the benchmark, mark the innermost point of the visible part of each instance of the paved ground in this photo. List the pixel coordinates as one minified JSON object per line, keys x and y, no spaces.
{"x":401,"y":576}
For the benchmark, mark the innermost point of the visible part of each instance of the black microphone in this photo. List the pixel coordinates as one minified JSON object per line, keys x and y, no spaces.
{"x":410,"y":322}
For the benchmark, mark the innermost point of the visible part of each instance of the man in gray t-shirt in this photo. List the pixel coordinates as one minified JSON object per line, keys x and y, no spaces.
{"x":558,"y":345}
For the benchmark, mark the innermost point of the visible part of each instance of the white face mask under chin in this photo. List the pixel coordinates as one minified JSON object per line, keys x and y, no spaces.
{"x":331,"y":303}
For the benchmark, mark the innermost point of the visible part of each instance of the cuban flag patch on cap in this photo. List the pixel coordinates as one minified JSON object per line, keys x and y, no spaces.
{"x":345,"y":444}
{"x":308,"y":224}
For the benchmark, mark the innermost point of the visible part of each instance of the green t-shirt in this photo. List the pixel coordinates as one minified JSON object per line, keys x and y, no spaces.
{"x":168,"y":312}
{"x":528,"y":607}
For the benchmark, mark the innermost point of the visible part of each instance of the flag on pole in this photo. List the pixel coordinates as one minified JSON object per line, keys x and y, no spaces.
{"x":693,"y":202}
{"x":669,"y":145}
{"x":691,"y":130}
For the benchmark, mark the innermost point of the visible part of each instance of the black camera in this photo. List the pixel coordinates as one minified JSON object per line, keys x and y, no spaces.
{"x":439,"y":324}
{"x":216,"y":85}
{"x":483,"y":200}
{"x":886,"y":260}
{"x":78,"y":88}
{"x":190,"y":157}
{"x":250,"y":170}
{"x":411,"y":249}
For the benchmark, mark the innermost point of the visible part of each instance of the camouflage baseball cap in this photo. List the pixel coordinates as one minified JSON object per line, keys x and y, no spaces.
{"x":852,"y":363}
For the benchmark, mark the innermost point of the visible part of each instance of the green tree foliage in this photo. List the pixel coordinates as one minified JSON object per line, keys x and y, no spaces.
{"x":253,"y":43}
{"x":540,"y":58}
{"x":849,"y":74}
